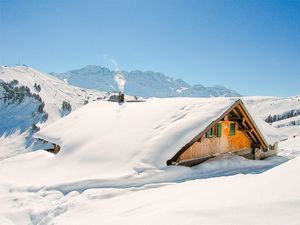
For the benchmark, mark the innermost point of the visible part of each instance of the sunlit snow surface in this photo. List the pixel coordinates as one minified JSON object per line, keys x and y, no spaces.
{"x":135,"y":136}
{"x":273,"y":196}
{"x":40,"y":188}
{"x":87,"y":185}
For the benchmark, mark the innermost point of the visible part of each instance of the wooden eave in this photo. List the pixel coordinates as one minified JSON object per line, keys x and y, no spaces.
{"x":254,"y":129}
{"x":260,"y":136}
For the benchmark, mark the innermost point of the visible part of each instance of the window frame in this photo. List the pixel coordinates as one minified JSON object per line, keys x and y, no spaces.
{"x":232,"y":129}
{"x":210,"y":133}
{"x":219,"y":130}
{"x":215,"y":131}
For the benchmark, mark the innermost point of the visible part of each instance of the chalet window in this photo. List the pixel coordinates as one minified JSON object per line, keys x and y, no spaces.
{"x":215,"y":131}
{"x":210,"y":133}
{"x":219,"y":130}
{"x":232,"y":129}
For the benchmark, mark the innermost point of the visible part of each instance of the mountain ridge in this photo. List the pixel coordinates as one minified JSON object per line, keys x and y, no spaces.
{"x":140,"y":83}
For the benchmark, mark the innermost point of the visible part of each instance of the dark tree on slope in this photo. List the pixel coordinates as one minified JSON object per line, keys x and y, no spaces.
{"x":34,"y":128}
{"x":269,"y":119}
{"x":45,"y":116}
{"x":285,"y":115}
{"x":16,"y":94}
{"x":41,"y":107}
{"x":37,"y":87}
{"x":14,"y":83}
{"x":66,"y":106}
{"x":19,"y":97}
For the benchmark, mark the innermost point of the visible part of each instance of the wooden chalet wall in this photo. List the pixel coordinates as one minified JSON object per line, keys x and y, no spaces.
{"x":247,"y":139}
{"x":207,"y":146}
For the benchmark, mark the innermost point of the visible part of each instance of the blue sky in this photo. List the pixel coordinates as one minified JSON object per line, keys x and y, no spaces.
{"x":250,"y":46}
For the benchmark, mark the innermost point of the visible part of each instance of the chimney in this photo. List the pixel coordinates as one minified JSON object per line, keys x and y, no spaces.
{"x":121,"y":98}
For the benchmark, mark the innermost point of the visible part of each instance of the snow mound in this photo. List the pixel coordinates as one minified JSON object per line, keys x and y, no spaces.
{"x":272,"y":197}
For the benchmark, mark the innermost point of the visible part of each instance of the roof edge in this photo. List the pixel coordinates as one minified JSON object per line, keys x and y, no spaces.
{"x":254,"y":124}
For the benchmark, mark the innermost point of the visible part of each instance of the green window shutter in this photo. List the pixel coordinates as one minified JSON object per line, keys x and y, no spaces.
{"x":219,"y":131}
{"x":232,"y":129}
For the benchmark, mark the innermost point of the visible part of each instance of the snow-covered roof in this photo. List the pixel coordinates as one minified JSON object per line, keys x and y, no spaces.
{"x":131,"y":135}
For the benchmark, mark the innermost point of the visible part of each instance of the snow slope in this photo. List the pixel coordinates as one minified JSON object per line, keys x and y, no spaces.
{"x":146,"y":84}
{"x":270,"y":105}
{"x":81,"y":186}
{"x":122,"y":184}
{"x":269,"y":198}
{"x":273,"y":197}
{"x":30,"y":99}
{"x":106,"y":143}
{"x":53,"y":91}
{"x":263,"y":106}
{"x":287,"y":122}
{"x":12,"y":145}
{"x":18,"y":112}
{"x":110,"y":144}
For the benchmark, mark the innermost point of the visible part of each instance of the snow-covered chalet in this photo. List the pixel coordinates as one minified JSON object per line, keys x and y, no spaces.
{"x":160,"y":132}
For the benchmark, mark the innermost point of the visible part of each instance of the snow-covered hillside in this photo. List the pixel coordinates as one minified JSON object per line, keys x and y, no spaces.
{"x":44,"y":99}
{"x":178,"y":195}
{"x":284,"y":110}
{"x":270,"y":105}
{"x":19,"y":107}
{"x":146,"y":84}
{"x":271,"y":198}
{"x":133,"y":136}
{"x":120,"y":142}
{"x":123,"y":184}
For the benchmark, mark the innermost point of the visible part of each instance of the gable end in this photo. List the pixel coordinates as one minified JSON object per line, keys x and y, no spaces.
{"x":236,"y":112}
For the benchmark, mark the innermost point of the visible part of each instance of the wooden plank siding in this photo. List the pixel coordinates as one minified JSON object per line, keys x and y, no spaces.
{"x":246,"y":138}
{"x":216,"y":145}
{"x":198,"y":136}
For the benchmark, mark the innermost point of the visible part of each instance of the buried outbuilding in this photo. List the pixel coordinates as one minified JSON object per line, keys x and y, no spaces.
{"x":175,"y":131}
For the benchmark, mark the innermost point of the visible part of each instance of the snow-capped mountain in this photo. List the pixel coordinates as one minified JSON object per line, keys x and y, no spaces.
{"x":138,"y":83}
{"x":28,"y":97}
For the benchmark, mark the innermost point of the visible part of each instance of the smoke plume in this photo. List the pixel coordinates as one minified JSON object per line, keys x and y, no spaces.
{"x":120,"y":80}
